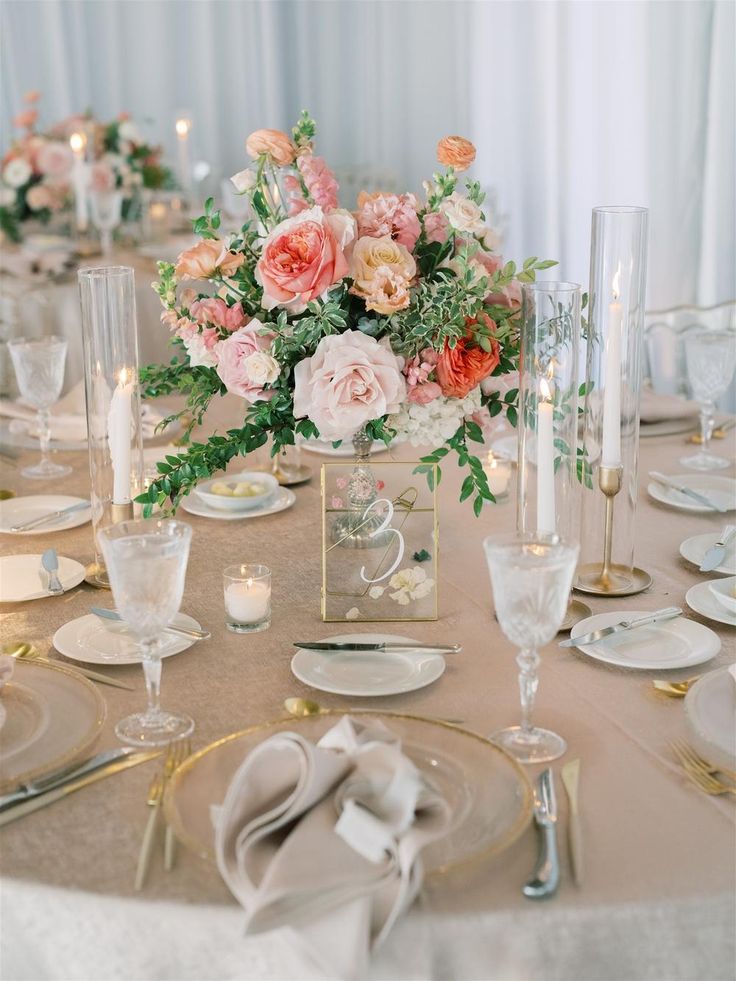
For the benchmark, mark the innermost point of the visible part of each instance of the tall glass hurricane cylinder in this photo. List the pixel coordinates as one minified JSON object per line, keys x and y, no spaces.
{"x":548,"y":419}
{"x":110,"y":340}
{"x":610,"y":451}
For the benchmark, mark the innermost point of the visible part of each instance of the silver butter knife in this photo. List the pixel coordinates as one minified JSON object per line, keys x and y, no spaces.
{"x":50,"y":562}
{"x":385,"y":648}
{"x":546,"y":876}
{"x":59,"y":777}
{"x":715,"y":554}
{"x":35,"y":522}
{"x":687,"y":491}
{"x":184,"y":631}
{"x":668,"y":613}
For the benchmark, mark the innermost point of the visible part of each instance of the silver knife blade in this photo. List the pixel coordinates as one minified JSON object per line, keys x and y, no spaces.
{"x":383,"y":648}
{"x":185,"y":631}
{"x":688,"y":492}
{"x":668,"y":613}
{"x":715,"y":554}
{"x":50,"y":796}
{"x":59,"y":777}
{"x":35,"y":522}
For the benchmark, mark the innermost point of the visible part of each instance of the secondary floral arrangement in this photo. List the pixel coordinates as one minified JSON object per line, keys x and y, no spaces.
{"x":124,"y":159}
{"x":397,"y":318}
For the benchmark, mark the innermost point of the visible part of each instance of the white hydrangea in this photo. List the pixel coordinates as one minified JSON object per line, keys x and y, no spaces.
{"x":432,"y":424}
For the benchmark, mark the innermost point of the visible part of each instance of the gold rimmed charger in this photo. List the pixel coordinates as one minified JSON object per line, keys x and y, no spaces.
{"x":52,"y":716}
{"x":488,"y":792}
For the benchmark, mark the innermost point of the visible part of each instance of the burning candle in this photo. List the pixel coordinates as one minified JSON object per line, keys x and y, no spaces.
{"x":247,"y":598}
{"x":78,"y":144}
{"x":119,"y":424}
{"x":183,"y":127}
{"x":611,"y":450}
{"x":546,"y":510}
{"x":498,"y":473}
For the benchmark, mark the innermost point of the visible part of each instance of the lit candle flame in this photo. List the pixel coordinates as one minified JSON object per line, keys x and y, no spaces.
{"x":123,"y":376}
{"x":545,"y":389}
{"x":491,"y":460}
{"x":249,"y":583}
{"x":77,"y":142}
{"x":182,"y":128}
{"x":616,"y":284}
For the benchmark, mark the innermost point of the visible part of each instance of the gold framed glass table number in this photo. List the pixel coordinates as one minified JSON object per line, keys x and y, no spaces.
{"x":379,"y":542}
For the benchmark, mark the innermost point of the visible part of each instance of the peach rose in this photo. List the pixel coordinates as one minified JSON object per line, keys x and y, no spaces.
{"x":274,"y":144}
{"x":302,"y":257}
{"x":213,"y":310}
{"x":461,"y":368}
{"x":207,"y":259}
{"x":25,"y":119}
{"x":350,"y":380}
{"x":382,"y":270}
{"x":455,"y":151}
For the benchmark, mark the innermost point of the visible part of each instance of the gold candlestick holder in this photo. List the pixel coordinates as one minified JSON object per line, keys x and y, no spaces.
{"x":610,"y":579}
{"x":96,"y":574}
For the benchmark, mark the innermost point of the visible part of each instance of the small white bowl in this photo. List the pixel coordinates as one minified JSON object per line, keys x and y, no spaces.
{"x":222,"y":502}
{"x":723,"y":590}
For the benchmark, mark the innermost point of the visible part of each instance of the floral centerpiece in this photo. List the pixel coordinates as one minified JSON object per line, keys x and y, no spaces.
{"x":397,"y":319}
{"x":126,"y":161}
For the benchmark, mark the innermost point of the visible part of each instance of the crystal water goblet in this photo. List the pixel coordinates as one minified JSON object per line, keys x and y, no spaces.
{"x":147,"y":562}
{"x":39,"y":368}
{"x":710,"y":357}
{"x":106,"y":208}
{"x":531,"y":576}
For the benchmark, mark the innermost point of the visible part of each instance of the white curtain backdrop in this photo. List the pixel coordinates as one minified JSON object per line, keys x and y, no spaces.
{"x":571,"y":104}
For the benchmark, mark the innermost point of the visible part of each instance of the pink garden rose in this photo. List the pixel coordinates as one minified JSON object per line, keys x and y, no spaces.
{"x":302,"y":257}
{"x":206,"y":259}
{"x":350,"y":380}
{"x":245,"y":364}
{"x":389,"y":214}
{"x":54,"y":159}
{"x":213,"y":310}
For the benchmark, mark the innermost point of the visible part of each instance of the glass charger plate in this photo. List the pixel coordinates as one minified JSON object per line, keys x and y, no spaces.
{"x":58,"y":718}
{"x":489,"y":794}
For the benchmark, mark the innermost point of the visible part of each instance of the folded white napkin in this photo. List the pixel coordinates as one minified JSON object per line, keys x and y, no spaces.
{"x":326,"y":839}
{"x":658,"y":408}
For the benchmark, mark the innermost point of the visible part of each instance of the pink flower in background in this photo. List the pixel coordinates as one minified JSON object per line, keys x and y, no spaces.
{"x":102,"y":177}
{"x":389,"y":214}
{"x":38,"y":197}
{"x":25,"y":119}
{"x":215,"y":311}
{"x":54,"y":159}
{"x":302,"y":257}
{"x":206,"y":259}
{"x":436,"y":226}
{"x":245,"y":364}
{"x":509,"y":296}
{"x":319,"y":179}
{"x":349,"y":380}
{"x":33,"y":96}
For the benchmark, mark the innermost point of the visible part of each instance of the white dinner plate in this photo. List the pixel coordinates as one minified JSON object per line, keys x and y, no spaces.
{"x":367,"y":673}
{"x":22,"y":577}
{"x":671,"y":644}
{"x":668,"y":427}
{"x":701,"y":600}
{"x":279,"y":502}
{"x":18,"y":510}
{"x":95,"y":641}
{"x":721,"y":490}
{"x":694,"y":549}
{"x":710,"y":712}
{"x":344,"y":449}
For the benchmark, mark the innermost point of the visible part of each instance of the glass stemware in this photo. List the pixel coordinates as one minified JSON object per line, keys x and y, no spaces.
{"x":39,"y":368}
{"x":106,"y":209}
{"x":147,"y":562}
{"x":531,"y":576}
{"x":711,"y":359}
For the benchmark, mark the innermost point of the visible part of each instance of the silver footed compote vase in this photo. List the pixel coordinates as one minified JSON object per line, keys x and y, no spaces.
{"x":356,"y":528}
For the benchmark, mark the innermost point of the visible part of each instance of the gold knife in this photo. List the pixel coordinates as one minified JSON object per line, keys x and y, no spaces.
{"x":29,"y":806}
{"x":570,"y":774}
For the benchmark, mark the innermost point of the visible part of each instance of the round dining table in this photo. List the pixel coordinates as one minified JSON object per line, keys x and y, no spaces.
{"x":657,"y":895}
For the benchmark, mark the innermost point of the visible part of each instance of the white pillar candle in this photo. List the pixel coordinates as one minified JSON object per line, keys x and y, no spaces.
{"x":78,"y":143}
{"x":546,"y":510}
{"x":183,"y":126}
{"x":611,"y":450}
{"x":248,"y":601}
{"x":119,"y":424}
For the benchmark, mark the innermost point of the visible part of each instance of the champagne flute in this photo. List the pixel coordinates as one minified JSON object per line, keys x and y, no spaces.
{"x":531,"y":575}
{"x":106,"y":209}
{"x":711,"y":359}
{"x":39,"y":368}
{"x":147,"y":562}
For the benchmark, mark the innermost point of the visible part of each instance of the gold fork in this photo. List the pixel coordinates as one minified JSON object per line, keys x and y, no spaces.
{"x":181,"y":752}
{"x":154,"y":798}
{"x":700,"y":771}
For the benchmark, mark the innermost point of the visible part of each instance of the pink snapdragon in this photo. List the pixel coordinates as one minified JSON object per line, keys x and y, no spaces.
{"x":319,"y":179}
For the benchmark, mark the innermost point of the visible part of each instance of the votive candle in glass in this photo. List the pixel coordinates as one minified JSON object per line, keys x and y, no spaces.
{"x":498,"y":474}
{"x":247,"y":598}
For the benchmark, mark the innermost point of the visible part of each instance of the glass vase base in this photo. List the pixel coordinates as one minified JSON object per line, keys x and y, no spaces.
{"x":530,"y":746}
{"x":705,"y":461}
{"x":46,"y":470}
{"x":621,"y":580}
{"x":159,"y":729}
{"x":248,"y":628}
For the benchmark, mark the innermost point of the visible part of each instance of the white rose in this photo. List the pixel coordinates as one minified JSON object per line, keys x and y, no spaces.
{"x":463,"y":214}
{"x":128,"y":130}
{"x":17,"y":172}
{"x":7,"y":197}
{"x":261,"y":368}
{"x":199,"y":354}
{"x":243,"y":181}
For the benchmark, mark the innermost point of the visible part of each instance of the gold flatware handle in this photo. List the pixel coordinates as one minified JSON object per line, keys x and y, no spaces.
{"x":103,"y":679}
{"x":169,"y":849}
{"x":144,"y":856}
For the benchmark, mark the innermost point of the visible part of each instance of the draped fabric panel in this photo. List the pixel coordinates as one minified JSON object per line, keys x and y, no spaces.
{"x":571,"y":104}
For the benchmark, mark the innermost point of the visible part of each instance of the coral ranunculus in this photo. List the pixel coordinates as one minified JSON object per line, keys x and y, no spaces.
{"x":207,"y":259}
{"x":464,"y":366}
{"x":274,"y":144}
{"x":455,"y":151}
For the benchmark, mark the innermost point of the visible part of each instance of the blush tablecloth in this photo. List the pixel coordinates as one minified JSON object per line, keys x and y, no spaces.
{"x":658,"y":898}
